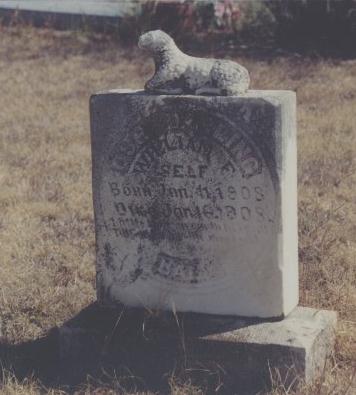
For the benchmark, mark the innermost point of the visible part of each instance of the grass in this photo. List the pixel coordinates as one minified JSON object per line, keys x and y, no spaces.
{"x":46,"y":224}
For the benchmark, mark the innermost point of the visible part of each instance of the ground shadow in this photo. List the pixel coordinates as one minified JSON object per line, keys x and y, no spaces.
{"x":141,"y":349}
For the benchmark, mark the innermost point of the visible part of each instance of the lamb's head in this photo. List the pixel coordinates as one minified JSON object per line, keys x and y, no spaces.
{"x":155,"y":41}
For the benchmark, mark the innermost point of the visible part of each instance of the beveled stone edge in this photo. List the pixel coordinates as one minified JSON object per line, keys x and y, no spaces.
{"x":327,"y":317}
{"x":253,"y":93}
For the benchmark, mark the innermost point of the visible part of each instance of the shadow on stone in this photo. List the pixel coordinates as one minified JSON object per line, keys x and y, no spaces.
{"x":142,"y":349}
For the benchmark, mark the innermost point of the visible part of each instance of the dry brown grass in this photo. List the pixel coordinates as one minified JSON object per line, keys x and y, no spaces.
{"x":46,"y":223}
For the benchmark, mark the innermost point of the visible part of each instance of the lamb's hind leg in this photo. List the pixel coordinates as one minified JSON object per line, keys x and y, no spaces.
{"x":231,"y":79}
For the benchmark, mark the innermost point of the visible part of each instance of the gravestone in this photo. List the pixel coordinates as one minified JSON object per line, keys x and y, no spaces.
{"x":196,"y":202}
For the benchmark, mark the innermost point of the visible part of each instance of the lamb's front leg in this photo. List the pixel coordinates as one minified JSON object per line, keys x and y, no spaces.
{"x":151,"y":85}
{"x":156,"y":81}
{"x":162,"y":83}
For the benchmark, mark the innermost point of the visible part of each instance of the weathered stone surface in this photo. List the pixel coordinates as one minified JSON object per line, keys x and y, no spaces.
{"x":195,"y":202}
{"x":234,"y":355}
{"x":178,"y":73}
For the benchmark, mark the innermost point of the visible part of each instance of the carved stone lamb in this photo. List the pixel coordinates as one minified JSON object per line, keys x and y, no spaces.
{"x":178,"y":73}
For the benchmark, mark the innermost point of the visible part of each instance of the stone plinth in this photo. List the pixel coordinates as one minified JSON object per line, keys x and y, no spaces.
{"x":234,"y":355}
{"x":296,"y":347}
{"x":195,"y":202}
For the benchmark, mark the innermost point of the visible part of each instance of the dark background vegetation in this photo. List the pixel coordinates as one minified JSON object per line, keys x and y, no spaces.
{"x":308,"y":27}
{"x":318,"y":27}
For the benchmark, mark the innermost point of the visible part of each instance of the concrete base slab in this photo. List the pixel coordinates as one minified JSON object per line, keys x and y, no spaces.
{"x":236,"y":355}
{"x":296,"y":346}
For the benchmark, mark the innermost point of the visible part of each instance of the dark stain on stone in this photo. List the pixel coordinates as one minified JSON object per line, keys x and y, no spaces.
{"x":180,"y":84}
{"x":134,"y":275}
{"x":108,"y":256}
{"x":177,"y":269}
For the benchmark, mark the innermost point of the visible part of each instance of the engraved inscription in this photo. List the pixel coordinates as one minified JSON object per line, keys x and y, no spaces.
{"x":183,"y":188}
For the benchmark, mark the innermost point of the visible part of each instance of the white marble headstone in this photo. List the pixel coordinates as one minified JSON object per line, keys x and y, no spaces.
{"x":195,"y":201}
